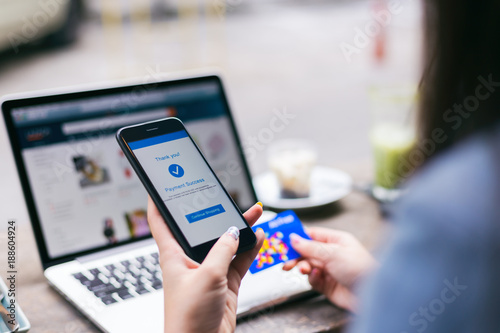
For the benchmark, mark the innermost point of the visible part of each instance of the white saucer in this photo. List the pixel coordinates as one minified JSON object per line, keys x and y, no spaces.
{"x":327,"y":185}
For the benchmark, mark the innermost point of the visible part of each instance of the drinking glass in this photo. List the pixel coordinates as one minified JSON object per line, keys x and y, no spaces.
{"x":392,"y":137}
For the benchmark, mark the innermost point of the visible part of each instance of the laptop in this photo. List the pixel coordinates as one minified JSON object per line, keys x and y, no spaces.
{"x":88,"y":209}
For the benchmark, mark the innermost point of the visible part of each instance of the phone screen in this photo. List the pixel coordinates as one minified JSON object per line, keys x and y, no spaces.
{"x":187,"y":186}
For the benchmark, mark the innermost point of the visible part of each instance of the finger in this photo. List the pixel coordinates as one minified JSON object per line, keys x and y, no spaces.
{"x":251,"y":216}
{"x":313,"y":250}
{"x":325,"y":235}
{"x":220,"y":256}
{"x":158,"y":227}
{"x":244,"y":260}
{"x":289,"y":265}
{"x":304,"y":267}
{"x":317,"y":280}
{"x":253,"y":213}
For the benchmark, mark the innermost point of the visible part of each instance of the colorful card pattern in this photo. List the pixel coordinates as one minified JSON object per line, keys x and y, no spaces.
{"x":277,"y":248}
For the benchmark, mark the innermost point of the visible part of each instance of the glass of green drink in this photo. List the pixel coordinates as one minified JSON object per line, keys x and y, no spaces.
{"x":392,"y":138}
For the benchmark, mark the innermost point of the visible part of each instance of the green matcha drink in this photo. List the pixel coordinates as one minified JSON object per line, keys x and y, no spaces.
{"x":392,"y":145}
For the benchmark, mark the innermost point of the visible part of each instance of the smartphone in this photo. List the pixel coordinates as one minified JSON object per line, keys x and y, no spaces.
{"x":185,"y":189}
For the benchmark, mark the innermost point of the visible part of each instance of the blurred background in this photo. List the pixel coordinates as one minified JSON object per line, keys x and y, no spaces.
{"x":313,"y":60}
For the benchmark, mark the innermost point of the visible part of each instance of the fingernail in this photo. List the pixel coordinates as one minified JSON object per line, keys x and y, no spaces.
{"x":260,"y":204}
{"x":295,"y":238}
{"x":233,"y":232}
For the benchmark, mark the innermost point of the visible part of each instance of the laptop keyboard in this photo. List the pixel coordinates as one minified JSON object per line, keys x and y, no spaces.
{"x":123,"y":280}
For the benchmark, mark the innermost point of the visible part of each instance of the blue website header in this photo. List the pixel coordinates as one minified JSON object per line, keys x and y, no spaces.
{"x":157,"y":140}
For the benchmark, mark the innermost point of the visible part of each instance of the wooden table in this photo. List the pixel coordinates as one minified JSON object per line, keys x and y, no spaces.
{"x":357,"y":213}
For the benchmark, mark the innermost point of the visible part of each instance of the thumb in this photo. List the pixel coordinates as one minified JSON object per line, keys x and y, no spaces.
{"x":311,"y":249}
{"x":220,"y":256}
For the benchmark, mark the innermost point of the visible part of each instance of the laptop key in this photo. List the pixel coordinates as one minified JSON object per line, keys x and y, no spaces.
{"x":108,"y":300}
{"x":96,"y":285}
{"x":88,"y":275}
{"x":141,"y":290}
{"x":118,"y":275}
{"x":140,"y":259}
{"x":110,"y":268}
{"x":134,"y":271}
{"x":108,"y":290}
{"x":117,"y":283}
{"x":103,"y":278}
{"x":86,"y":282}
{"x":82,"y":278}
{"x":121,"y":268}
{"x":130,"y":277}
{"x":157,"y":285}
{"x":149,"y":267}
{"x":96,"y":281}
{"x":146,"y":273}
{"x":124,"y":294}
{"x":104,"y":292}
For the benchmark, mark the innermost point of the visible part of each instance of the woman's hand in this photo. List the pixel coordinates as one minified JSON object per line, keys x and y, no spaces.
{"x":201,"y":298}
{"x":335,"y":261}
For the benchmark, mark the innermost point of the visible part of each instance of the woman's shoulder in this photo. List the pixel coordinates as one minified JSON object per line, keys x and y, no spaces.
{"x":461,"y":187}
{"x":445,"y":243}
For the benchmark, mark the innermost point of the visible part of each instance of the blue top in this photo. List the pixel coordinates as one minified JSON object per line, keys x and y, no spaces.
{"x":441,"y":270}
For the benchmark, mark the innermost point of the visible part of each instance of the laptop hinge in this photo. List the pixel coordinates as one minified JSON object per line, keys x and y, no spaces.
{"x":113,"y":251}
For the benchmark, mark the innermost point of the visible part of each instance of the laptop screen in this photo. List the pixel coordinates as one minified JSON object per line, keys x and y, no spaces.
{"x":82,"y":193}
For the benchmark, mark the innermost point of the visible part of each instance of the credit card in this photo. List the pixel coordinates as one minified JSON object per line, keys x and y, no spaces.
{"x":277,"y":247}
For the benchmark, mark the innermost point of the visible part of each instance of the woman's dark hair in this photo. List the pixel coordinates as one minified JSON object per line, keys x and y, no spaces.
{"x":460,"y":87}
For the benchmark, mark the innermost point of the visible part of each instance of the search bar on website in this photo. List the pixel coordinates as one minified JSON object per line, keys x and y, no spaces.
{"x":82,"y":126}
